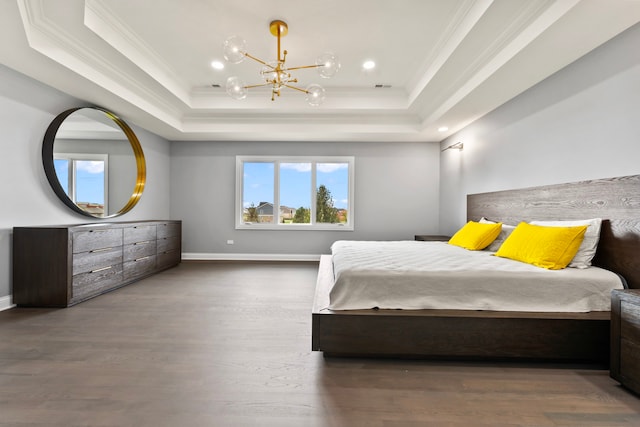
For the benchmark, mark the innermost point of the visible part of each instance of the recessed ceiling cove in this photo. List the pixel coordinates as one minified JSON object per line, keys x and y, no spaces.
{"x":437,"y":63}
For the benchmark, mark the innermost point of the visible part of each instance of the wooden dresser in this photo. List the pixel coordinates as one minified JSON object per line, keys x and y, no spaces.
{"x":59,"y":266}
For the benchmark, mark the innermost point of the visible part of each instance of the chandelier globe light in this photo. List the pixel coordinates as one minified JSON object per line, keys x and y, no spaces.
{"x":277,"y":74}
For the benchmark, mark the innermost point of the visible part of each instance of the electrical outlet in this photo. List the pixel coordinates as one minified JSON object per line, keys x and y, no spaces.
{"x":229,"y":242}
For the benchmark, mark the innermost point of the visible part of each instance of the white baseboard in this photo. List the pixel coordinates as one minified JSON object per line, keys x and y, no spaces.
{"x":5,"y":303}
{"x":193,"y":256}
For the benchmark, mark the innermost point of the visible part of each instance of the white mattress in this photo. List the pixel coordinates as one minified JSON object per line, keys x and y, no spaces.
{"x":436,"y":275}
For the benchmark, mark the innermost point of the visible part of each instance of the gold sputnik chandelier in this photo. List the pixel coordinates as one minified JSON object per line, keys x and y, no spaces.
{"x":276,"y":73}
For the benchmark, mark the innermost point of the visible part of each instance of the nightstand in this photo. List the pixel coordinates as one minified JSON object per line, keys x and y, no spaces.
{"x":431,"y":238}
{"x":625,"y":338}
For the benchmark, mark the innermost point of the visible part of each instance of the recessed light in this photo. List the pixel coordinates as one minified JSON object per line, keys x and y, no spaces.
{"x":217,"y":65}
{"x":368,"y":65}
{"x":443,"y":129}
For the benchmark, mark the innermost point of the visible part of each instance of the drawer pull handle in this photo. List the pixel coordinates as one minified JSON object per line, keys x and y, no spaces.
{"x":101,"y":269}
{"x":100,"y":250}
{"x":142,"y":243}
{"x":140,"y":259}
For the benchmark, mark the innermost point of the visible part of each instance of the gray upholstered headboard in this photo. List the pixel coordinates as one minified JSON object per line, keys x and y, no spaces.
{"x":615,"y":200}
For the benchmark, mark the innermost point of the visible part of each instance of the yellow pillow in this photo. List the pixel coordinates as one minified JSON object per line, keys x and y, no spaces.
{"x":548,"y":247}
{"x":476,"y":236}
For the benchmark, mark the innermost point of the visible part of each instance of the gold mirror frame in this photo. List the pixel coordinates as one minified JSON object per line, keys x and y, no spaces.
{"x":52,"y":177}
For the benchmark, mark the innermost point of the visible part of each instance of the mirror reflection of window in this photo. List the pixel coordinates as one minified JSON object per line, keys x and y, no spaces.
{"x":85,"y":180}
{"x":62,"y":171}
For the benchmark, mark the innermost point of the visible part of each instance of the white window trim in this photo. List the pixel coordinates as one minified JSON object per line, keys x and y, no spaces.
{"x":276,"y":225}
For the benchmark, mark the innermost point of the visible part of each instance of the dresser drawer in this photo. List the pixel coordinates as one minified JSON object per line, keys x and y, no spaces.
{"x":88,"y":261}
{"x":168,"y":229}
{"x":139,"y":267}
{"x":139,"y":233}
{"x":87,"y":285}
{"x":168,"y":243}
{"x":97,"y":238}
{"x":139,"y":250}
{"x":168,"y":258}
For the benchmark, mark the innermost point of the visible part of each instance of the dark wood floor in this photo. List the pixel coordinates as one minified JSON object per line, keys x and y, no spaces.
{"x":228,"y":344}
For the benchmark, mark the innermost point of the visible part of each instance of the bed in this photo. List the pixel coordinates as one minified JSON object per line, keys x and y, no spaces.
{"x":523,"y":334}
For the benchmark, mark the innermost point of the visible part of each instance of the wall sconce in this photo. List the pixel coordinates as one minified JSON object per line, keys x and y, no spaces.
{"x":457,"y":146}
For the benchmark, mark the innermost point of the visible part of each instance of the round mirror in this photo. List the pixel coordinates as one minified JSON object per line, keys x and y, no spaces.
{"x":94,"y":162}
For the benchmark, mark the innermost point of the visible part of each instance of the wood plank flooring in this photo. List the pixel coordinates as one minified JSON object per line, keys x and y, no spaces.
{"x":228,"y":344}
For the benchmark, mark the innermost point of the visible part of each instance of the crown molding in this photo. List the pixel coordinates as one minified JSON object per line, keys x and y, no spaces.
{"x":519,"y":41}
{"x":100,"y":19}
{"x":465,"y":19}
{"x":481,"y":54}
{"x":54,"y":42}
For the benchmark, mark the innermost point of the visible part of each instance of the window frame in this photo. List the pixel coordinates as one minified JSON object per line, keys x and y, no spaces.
{"x":276,"y":224}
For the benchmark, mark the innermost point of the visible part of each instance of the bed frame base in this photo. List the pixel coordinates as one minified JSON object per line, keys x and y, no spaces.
{"x":477,"y":338}
{"x":456,"y":334}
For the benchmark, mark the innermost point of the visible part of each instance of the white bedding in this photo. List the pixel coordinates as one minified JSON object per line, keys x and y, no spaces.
{"x":436,"y":275}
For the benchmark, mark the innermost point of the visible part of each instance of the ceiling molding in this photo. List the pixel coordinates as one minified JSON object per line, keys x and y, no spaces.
{"x":496,"y":46}
{"x":100,"y":19}
{"x":466,"y":17}
{"x":440,"y":63}
{"x":553,"y":13}
{"x":52,"y":40}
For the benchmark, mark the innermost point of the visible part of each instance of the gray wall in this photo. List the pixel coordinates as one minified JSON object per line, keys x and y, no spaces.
{"x":396,"y":195}
{"x":581,"y":123}
{"x":26,"y":109}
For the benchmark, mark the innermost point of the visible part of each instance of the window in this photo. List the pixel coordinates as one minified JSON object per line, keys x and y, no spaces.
{"x":294,"y":193}
{"x":84,"y":178}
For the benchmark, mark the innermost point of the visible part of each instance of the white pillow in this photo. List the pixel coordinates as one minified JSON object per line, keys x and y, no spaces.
{"x":589,"y":245}
{"x":504,"y":233}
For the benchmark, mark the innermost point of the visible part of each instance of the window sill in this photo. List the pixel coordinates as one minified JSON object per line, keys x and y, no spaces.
{"x":295,"y":227}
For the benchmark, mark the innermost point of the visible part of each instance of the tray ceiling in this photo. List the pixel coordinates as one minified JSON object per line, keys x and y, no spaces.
{"x":439,"y":63}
